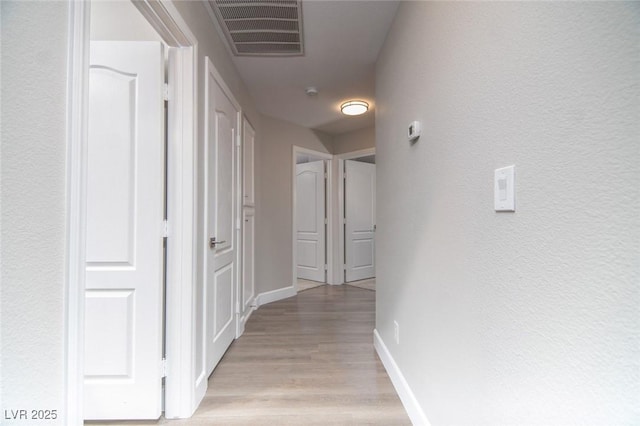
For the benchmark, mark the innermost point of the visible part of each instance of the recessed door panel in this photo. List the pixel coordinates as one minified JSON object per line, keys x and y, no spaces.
{"x":225,"y":145}
{"x":307,"y":212}
{"x":248,"y":149}
{"x":109,"y":344}
{"x":111,"y":193}
{"x":363,"y":253}
{"x":248,"y":260}
{"x":308,"y":254}
{"x":224,"y":294}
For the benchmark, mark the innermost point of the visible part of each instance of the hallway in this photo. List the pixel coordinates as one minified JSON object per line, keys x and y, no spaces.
{"x":306,"y":360}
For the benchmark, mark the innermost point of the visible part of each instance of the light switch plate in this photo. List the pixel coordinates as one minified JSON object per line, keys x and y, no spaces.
{"x":504,"y":197}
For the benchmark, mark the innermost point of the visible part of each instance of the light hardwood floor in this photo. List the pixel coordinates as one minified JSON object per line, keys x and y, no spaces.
{"x":306,"y":360}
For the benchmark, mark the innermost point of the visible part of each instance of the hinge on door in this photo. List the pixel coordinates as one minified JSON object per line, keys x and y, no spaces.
{"x":165,"y":229}
{"x":326,"y":221}
{"x":344,"y":266}
{"x":326,"y":175}
{"x":163,"y":368}
{"x":326,"y":267}
{"x":165,"y":91}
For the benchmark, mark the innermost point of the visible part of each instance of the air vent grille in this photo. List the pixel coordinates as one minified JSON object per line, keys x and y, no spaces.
{"x":267,"y":49}
{"x":263,"y":37}
{"x":261,"y":28}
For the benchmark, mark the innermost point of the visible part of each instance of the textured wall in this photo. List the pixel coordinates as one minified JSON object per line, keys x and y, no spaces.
{"x":34,"y":54}
{"x":517,"y":318}
{"x":274,"y":245}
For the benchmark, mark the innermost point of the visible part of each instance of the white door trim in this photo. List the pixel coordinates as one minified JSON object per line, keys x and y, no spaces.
{"x":329,"y":207}
{"x":341,"y":236}
{"x":76,"y":173}
{"x":180,"y":397}
{"x":180,"y":400}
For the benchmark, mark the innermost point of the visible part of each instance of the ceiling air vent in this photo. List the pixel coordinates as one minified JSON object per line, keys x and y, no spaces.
{"x":261,"y":28}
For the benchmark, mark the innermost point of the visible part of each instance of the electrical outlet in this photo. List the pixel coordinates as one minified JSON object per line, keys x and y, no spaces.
{"x":396,"y":332}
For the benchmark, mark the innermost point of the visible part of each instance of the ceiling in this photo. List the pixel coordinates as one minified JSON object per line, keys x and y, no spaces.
{"x":342,"y":40}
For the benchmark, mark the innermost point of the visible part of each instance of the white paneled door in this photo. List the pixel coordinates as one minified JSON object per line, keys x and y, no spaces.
{"x":220,"y":219}
{"x":125,"y":212}
{"x":360,"y":220}
{"x":310,"y":221}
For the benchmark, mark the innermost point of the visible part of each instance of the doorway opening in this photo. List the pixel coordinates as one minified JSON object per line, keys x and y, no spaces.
{"x":312,"y":206}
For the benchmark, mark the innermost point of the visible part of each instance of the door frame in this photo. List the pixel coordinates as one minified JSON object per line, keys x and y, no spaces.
{"x":179,"y":400}
{"x":341,"y":236}
{"x":329,"y":209}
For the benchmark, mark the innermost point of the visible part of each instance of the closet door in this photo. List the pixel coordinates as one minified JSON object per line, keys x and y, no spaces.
{"x":125,"y":210}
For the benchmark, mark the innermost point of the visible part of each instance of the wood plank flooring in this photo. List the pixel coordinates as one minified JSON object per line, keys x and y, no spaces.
{"x":307,"y":284}
{"x":306,"y":360}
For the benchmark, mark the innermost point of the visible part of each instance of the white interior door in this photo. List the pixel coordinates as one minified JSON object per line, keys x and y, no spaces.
{"x":360,"y":219}
{"x":220,"y":220}
{"x":125,"y":211}
{"x":310,"y":221}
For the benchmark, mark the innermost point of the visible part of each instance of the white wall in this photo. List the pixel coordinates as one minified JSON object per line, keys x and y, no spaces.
{"x":34,"y":55}
{"x":120,"y":20}
{"x":517,"y":318}
{"x":274,"y":250}
{"x":355,"y":140}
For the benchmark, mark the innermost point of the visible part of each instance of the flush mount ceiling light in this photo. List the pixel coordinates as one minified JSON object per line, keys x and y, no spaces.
{"x":354,"y":107}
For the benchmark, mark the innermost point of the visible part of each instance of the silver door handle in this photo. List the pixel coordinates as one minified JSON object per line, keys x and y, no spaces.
{"x":213,"y":242}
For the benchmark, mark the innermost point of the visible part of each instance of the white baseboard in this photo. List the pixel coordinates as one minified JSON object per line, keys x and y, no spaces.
{"x":275,"y":295}
{"x":201,"y":389}
{"x":242,"y":319}
{"x":414,"y":411}
{"x":252,"y":307}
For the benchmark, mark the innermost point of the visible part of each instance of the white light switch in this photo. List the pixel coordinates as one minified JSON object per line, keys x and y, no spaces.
{"x":504,"y":198}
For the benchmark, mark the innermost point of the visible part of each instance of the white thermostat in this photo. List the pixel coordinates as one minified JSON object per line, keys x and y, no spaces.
{"x":413,"y":133}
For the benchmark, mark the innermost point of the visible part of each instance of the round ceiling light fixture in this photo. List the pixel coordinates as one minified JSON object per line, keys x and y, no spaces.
{"x":354,"y":107}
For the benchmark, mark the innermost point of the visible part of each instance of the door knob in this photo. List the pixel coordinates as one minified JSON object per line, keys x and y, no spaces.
{"x":213,"y":242}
